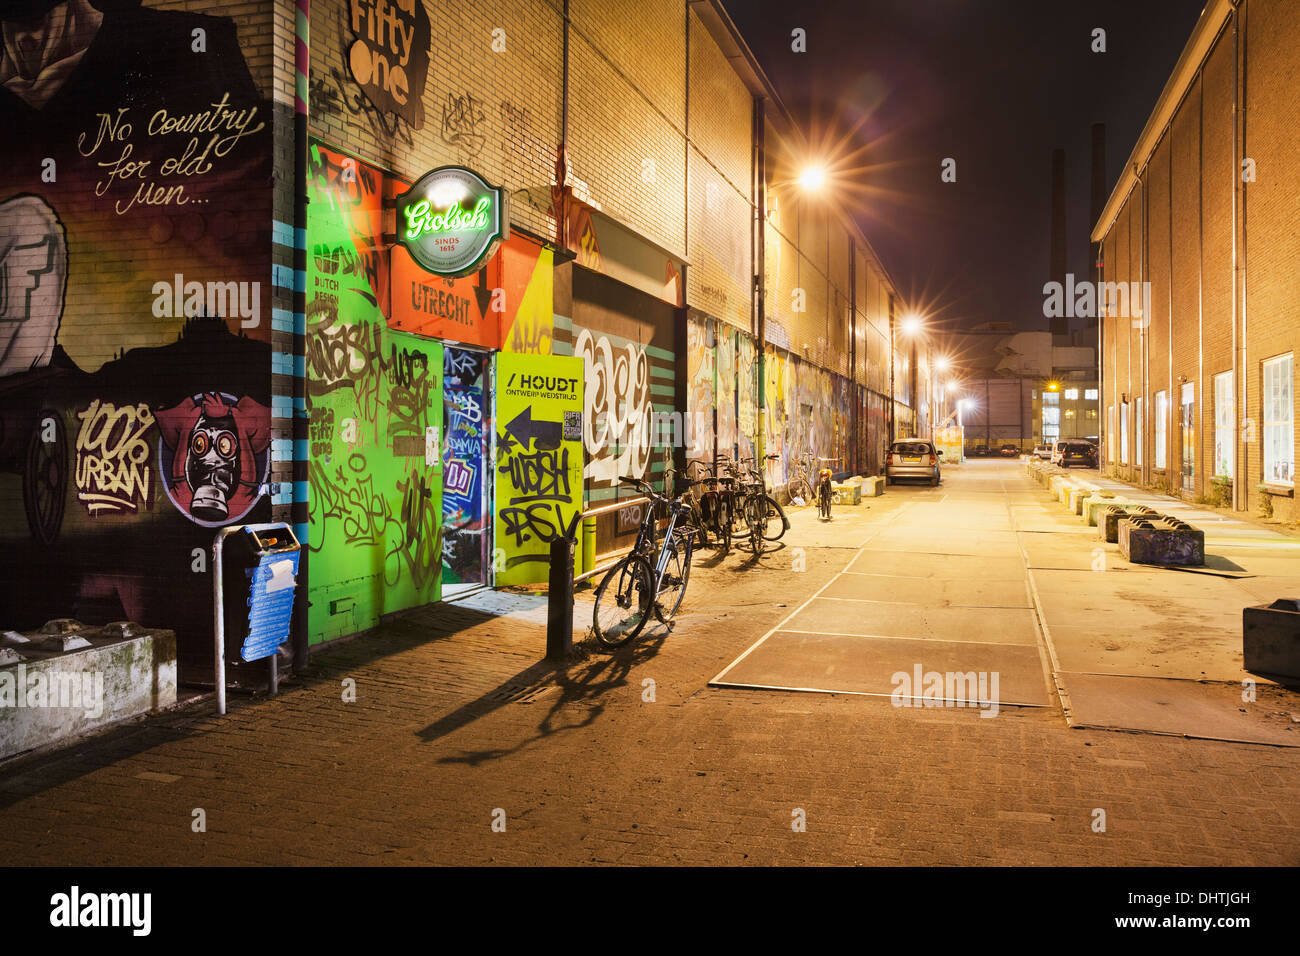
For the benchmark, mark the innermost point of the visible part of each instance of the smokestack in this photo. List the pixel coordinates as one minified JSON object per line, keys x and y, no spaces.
{"x":1060,"y":326}
{"x":1098,"y":189}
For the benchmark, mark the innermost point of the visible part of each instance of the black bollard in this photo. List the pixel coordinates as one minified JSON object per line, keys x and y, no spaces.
{"x":559,"y":611}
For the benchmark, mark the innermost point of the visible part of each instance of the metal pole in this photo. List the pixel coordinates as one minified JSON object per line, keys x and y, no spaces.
{"x":219,"y":624}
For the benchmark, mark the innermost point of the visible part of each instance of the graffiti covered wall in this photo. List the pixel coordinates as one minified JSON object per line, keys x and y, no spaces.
{"x":135,"y":232}
{"x":375,"y":408}
{"x":625,"y":339}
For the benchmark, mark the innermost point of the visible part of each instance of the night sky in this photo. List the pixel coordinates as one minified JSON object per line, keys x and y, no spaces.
{"x":995,"y":84}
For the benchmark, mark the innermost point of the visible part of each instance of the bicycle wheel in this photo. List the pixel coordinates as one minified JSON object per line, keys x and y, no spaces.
{"x":799,"y":490}
{"x":756,"y":515}
{"x":677,"y":574}
{"x":776,"y":519}
{"x":624,"y":601}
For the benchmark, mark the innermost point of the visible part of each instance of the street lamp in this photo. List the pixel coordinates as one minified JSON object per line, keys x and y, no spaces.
{"x":812,"y":179}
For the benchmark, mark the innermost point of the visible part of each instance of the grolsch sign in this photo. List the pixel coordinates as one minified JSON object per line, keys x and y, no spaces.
{"x":451,"y":221}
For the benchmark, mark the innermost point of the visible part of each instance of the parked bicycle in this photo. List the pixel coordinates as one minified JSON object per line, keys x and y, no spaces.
{"x":825,"y":491}
{"x":652,"y":578}
{"x":799,"y":486}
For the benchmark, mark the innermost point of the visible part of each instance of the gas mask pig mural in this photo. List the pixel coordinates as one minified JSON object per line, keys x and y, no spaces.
{"x":213,"y":453}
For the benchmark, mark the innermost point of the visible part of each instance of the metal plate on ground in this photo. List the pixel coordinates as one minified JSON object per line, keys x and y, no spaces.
{"x":1183,"y":708}
{"x":835,"y":664}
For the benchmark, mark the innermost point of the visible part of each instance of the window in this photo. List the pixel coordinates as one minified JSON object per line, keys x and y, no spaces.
{"x":1110,"y":432}
{"x":1051,"y":416}
{"x":1187,"y":402}
{"x":1092,"y":413}
{"x":1137,"y":428}
{"x":1090,"y":394}
{"x":1162,"y":429}
{"x":1225,"y":417}
{"x":1123,"y":433}
{"x":1051,"y":398}
{"x":1071,"y":394}
{"x":1279,"y":421}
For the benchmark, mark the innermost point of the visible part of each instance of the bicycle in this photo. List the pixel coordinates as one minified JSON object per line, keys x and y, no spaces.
{"x":640,"y":589}
{"x":774,"y":510}
{"x":750,"y":503}
{"x":711,"y":508}
{"x":799,"y":487}
{"x":824,"y":490}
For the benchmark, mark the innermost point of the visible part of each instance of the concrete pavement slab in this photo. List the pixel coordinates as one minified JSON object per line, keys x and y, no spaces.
{"x":936,"y":565}
{"x":922,"y":622}
{"x":939,"y":592}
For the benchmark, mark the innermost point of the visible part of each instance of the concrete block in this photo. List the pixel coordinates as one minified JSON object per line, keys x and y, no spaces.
{"x":844,"y":493}
{"x":51,"y":695}
{"x":1270,"y":638}
{"x":1161,"y":540}
{"x":873,"y":486}
{"x":1108,"y":520}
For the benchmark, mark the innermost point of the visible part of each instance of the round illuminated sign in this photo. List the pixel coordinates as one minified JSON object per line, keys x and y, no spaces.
{"x":451,"y":220}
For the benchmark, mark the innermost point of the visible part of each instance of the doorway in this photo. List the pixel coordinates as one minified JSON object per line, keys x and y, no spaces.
{"x":467,"y":388}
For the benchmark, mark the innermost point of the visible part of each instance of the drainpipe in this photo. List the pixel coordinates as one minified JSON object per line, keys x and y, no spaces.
{"x":759,"y":258}
{"x":1240,"y":184}
{"x":852,"y":438}
{"x":1238,"y":378}
{"x":299,"y":516}
{"x":1200,"y":268}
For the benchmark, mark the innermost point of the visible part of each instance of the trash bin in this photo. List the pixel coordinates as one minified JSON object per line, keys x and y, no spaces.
{"x":259,"y":577}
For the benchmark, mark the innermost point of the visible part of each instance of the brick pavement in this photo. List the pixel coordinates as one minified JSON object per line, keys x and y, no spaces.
{"x":455,"y":718}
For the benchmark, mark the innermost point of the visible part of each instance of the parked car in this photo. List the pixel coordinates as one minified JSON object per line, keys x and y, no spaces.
{"x":980,"y":451}
{"x":1009,"y":450}
{"x":1074,"y":452}
{"x":1043,"y":451}
{"x":912,"y":459}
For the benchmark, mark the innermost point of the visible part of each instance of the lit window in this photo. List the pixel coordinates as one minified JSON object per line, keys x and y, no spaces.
{"x":1162,"y":434}
{"x":1071,"y":394}
{"x":1051,"y":398}
{"x":1279,"y":421}
{"x":1051,"y":416}
{"x":1137,"y":439}
{"x":1225,"y":417}
{"x":1090,"y":394}
{"x":1123,"y":433}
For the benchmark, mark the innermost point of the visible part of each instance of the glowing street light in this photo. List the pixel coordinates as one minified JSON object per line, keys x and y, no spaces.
{"x":912,"y":324}
{"x":813,"y":178}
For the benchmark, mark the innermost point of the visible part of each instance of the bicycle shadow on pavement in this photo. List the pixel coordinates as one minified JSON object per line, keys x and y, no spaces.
{"x":593,"y":672}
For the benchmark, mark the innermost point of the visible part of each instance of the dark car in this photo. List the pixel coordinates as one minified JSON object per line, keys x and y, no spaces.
{"x":980,"y":451}
{"x":1009,"y":450}
{"x":1067,"y":453}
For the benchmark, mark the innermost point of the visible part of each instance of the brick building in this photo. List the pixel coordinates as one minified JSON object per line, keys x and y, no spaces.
{"x":238,"y":310}
{"x":1198,"y":386}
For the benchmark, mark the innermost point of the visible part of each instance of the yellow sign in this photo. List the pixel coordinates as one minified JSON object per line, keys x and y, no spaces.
{"x":539,"y":461}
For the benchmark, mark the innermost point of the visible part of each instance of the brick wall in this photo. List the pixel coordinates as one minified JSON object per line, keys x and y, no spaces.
{"x":720,"y":170}
{"x":1197,"y":206}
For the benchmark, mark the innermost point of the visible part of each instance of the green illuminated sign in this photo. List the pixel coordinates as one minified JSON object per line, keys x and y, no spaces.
{"x":451,"y":220}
